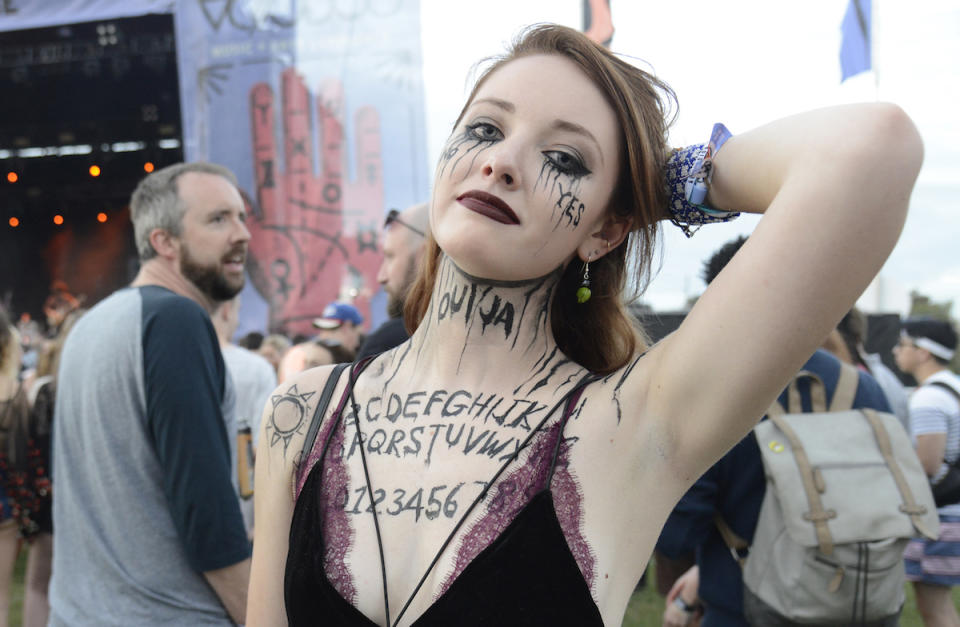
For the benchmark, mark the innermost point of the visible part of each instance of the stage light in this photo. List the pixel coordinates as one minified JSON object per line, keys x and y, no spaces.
{"x":13,"y":222}
{"x":148,"y":167}
{"x":94,"y":171}
{"x":12,"y":177}
{"x":58,"y":219}
{"x":101,"y":217}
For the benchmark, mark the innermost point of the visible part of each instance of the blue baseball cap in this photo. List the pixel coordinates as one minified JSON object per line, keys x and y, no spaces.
{"x":336,"y":314}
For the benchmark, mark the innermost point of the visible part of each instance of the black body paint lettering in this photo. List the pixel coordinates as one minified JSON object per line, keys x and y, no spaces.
{"x":522,"y":420}
{"x":376,"y":441}
{"x":492,"y":447}
{"x":499,"y":419}
{"x":415,"y":438}
{"x":472,"y":444}
{"x":410,"y":404}
{"x":374,"y":399}
{"x":436,"y":432}
{"x":394,"y":408}
{"x":395,"y":439}
{"x":482,"y":405}
{"x":446,"y":412}
{"x":453,"y":442}
{"x":435,"y":397}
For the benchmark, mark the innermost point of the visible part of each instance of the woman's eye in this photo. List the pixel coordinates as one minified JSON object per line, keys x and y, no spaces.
{"x":566,"y":163}
{"x":484,"y":131}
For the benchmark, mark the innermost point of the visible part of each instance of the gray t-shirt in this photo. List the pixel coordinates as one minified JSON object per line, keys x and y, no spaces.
{"x":254,"y":379}
{"x":144,"y":499}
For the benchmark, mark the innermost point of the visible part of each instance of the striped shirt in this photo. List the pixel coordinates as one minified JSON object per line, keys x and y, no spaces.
{"x":935,"y":410}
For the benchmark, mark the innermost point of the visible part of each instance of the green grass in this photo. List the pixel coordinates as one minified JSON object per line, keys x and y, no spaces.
{"x":646,"y":606}
{"x":15,"y":616}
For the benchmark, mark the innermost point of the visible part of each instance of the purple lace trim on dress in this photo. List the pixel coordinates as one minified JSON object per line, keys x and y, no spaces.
{"x":514,"y":491}
{"x":568,"y":504}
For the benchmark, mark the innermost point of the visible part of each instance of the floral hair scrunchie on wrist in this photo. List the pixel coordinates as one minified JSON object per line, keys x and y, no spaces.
{"x":689,"y":172}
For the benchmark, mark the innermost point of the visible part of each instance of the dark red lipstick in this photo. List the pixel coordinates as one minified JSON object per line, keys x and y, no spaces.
{"x":489,"y":205}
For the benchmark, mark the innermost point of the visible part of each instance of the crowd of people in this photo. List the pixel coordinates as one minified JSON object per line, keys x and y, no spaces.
{"x":250,"y":368}
{"x":506,"y":449}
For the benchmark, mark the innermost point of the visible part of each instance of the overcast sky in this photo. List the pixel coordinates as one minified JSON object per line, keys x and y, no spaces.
{"x":746,"y":62}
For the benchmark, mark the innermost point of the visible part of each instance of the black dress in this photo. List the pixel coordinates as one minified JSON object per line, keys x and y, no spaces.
{"x":526,"y":576}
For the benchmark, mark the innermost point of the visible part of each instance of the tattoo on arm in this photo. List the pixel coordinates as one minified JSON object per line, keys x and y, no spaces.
{"x":289,"y":417}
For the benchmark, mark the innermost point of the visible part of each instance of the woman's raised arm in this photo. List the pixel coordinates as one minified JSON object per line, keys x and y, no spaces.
{"x":834,"y":185}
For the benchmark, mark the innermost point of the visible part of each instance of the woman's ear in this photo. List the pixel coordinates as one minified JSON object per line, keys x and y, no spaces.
{"x":613,"y":230}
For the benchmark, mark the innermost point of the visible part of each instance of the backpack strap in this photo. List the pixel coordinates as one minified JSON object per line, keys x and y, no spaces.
{"x":817,"y":515}
{"x":321,"y":409}
{"x":909,"y":505}
{"x":737,"y":545}
{"x":956,"y":394}
{"x":947,"y":387}
{"x":818,"y":393}
{"x":847,"y":382}
{"x":846,"y":390}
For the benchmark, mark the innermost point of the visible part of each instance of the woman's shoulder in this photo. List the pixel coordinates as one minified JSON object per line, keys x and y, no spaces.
{"x":289,"y":413}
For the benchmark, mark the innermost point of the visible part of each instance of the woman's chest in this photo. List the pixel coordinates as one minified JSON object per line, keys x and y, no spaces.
{"x":426,"y":504}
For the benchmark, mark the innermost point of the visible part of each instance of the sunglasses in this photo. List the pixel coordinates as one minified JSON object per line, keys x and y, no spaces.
{"x":394,"y":216}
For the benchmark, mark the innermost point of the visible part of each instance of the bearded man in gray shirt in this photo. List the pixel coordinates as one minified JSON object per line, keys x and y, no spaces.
{"x":148,"y":527}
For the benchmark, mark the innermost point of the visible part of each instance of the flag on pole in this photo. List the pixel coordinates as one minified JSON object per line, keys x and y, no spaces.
{"x":855,"y":44}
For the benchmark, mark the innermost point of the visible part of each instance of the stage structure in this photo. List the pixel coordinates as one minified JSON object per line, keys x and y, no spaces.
{"x":318,"y":107}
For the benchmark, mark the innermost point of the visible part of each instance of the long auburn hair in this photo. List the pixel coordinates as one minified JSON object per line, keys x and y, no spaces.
{"x":599,"y":334}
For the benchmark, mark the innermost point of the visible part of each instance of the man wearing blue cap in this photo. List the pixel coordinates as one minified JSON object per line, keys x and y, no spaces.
{"x":340,"y":322}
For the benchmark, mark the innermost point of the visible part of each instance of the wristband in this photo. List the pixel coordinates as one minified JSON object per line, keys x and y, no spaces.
{"x":689,"y":173}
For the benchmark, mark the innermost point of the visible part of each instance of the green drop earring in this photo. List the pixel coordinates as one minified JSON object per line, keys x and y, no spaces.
{"x":583,"y":292}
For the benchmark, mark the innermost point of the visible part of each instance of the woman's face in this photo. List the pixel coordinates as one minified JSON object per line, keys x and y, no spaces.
{"x":524,"y":181}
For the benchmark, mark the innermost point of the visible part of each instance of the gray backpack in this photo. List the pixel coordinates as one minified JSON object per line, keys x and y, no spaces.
{"x":845,"y":492}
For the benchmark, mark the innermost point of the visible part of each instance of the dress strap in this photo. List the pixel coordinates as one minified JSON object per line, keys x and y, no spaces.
{"x":314,"y":429}
{"x":321,"y":409}
{"x":572,"y":401}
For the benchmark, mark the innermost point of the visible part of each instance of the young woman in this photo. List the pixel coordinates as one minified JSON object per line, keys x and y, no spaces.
{"x":28,"y":476}
{"x":14,"y":409}
{"x":513,"y":462}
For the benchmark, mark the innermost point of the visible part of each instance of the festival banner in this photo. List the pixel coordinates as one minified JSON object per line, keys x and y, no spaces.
{"x":318,"y":108}
{"x":24,"y":14}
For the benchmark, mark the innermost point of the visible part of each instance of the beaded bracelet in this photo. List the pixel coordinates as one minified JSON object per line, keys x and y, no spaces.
{"x":689,"y":172}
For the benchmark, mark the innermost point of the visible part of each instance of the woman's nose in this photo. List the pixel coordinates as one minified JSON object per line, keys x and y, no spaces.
{"x":501,"y":165}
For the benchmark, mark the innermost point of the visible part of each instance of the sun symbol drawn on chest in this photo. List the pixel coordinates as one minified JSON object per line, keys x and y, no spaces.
{"x":288,"y":416}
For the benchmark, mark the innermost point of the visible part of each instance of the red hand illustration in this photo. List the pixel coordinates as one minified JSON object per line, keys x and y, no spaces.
{"x":314,"y":233}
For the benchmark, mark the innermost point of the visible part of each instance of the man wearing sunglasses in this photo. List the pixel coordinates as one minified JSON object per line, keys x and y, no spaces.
{"x":403,"y":240}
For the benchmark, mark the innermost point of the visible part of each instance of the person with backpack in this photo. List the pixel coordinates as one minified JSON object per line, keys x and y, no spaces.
{"x":733,"y":489}
{"x":925,"y":349}
{"x":847,"y":343}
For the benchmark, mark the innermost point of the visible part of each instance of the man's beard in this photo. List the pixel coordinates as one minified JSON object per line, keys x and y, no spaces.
{"x":395,"y":302}
{"x":208,"y":279}
{"x":394,"y":306}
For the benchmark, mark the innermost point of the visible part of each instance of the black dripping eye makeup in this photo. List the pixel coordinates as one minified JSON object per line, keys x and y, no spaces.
{"x":566,"y":163}
{"x":483,"y":130}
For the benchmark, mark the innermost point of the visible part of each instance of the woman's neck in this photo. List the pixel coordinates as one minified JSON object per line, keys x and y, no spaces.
{"x":475,"y":325}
